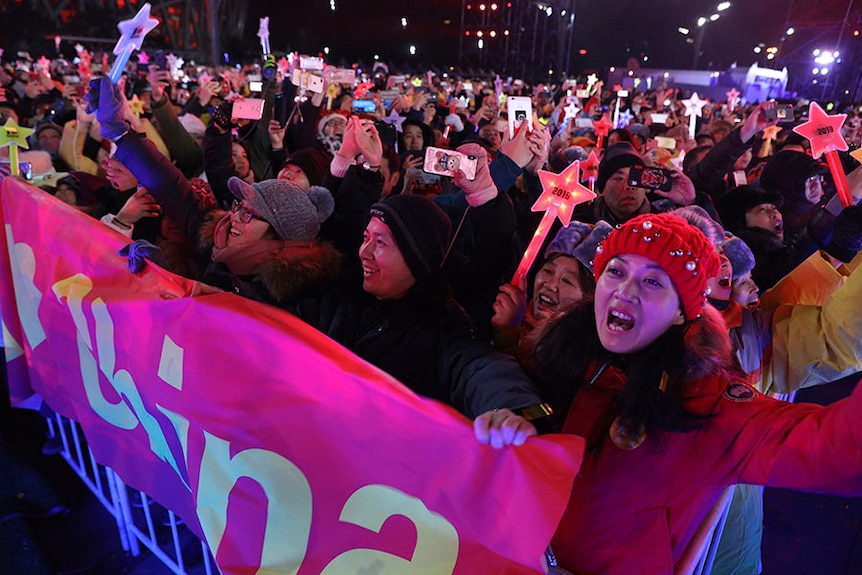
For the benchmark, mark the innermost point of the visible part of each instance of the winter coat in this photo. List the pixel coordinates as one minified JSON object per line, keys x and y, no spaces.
{"x":426,"y":342}
{"x":186,"y":153}
{"x":635,"y":511}
{"x":284,"y":277}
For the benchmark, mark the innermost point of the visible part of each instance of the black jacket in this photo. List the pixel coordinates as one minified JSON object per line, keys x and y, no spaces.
{"x":426,"y":342}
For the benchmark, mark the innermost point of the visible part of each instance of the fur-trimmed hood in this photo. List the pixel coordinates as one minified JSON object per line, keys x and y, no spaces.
{"x":707,"y":346}
{"x":290,"y":272}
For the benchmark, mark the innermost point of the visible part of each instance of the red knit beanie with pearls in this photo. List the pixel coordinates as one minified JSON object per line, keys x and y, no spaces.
{"x":681,"y":250}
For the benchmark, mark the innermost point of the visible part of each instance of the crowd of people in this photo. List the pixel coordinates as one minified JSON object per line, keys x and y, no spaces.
{"x":658,"y":325}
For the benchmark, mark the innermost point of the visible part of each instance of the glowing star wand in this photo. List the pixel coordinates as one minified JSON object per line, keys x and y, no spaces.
{"x":693,"y":109}
{"x":13,"y":135}
{"x":824,"y":133}
{"x":560,"y":194}
{"x":590,"y":170}
{"x":602,"y":127}
{"x":131,"y":38}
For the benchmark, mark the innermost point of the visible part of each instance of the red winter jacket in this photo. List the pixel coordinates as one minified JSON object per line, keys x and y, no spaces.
{"x":636,"y":511}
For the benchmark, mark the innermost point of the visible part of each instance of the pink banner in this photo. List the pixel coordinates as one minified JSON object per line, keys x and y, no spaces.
{"x":283,"y":450}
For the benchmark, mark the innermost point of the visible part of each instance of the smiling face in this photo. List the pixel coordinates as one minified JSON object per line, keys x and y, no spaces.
{"x":766,"y":217}
{"x":636,"y":302}
{"x":557,"y":287}
{"x":385,"y":273}
{"x":244,"y":229}
{"x":240,"y":160}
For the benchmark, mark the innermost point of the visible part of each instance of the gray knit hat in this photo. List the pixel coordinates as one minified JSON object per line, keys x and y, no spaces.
{"x":293,"y":213}
{"x":740,"y":256}
{"x":580,"y":241}
{"x":700,"y":218}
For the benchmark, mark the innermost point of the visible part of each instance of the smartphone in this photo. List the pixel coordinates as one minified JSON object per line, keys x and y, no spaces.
{"x":307,"y":81}
{"x":248,"y":109}
{"x":160,"y":60}
{"x":447,"y":162}
{"x":520,"y":110}
{"x":311,"y":63}
{"x":364,"y":106}
{"x":665,"y":142}
{"x":584,"y":122}
{"x":279,"y":109}
{"x":658,"y":118}
{"x":583,"y":94}
{"x":782,"y":113}
{"x":650,"y":178}
{"x":255,"y":86}
{"x":622,"y":93}
{"x":346,"y":76}
{"x":24,"y":168}
{"x":388,"y":133}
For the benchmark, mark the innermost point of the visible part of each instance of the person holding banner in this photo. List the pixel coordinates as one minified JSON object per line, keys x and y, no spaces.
{"x":669,"y":422}
{"x":405,"y":321}
{"x":265,"y":248}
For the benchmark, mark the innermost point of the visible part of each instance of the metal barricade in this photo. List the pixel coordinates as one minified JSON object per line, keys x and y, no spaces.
{"x":140,"y":520}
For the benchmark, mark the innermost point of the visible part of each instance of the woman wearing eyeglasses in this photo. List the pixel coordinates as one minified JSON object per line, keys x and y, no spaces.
{"x":266,"y":247}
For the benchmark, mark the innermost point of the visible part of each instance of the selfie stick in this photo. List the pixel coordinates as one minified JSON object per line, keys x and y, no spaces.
{"x":132,"y":36}
{"x":560,"y":194}
{"x":824,"y":133}
{"x":13,"y":135}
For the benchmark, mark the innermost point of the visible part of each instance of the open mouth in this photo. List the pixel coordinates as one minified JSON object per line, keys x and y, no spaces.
{"x":366,"y":271}
{"x":620,"y":322}
{"x":234,"y":232}
{"x":547,"y":301}
{"x":724,"y":281}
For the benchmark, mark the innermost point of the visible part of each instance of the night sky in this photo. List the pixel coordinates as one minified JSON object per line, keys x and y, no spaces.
{"x":610,"y":30}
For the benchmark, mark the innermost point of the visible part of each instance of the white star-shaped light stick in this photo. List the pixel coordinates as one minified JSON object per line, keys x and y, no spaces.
{"x":131,"y":39}
{"x":395,"y":119}
{"x":263,"y":34}
{"x":693,"y":109}
{"x":624,"y":119}
{"x":571,"y":112}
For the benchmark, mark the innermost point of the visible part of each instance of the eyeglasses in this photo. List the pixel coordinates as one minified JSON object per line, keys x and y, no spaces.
{"x":817,"y":178}
{"x":245,"y":214}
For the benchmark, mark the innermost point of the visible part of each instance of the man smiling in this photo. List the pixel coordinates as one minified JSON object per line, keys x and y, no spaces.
{"x":405,"y":321}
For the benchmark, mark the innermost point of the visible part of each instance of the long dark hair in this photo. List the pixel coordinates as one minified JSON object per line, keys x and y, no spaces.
{"x":571,"y":344}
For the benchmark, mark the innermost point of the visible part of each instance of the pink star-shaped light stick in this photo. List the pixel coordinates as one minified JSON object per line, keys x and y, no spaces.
{"x":131,"y":38}
{"x":732,"y":98}
{"x":590,"y":170}
{"x":602,"y":127}
{"x":824,"y":133}
{"x":560,"y":194}
{"x":693,"y":109}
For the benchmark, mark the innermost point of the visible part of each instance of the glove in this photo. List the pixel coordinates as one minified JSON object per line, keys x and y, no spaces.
{"x":109,"y":108}
{"x":846,"y":234}
{"x":481,"y":189}
{"x":455,"y":121}
{"x":92,"y":95}
{"x":222,"y":117}
{"x":140,"y":249}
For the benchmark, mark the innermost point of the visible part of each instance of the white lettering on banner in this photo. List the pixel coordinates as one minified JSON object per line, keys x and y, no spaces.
{"x":74,"y":289}
{"x":27,"y":295}
{"x":369,"y":507}
{"x":289,"y":506}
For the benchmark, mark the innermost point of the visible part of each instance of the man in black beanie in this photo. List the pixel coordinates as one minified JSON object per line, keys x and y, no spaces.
{"x":618,"y":201}
{"x":405,"y":321}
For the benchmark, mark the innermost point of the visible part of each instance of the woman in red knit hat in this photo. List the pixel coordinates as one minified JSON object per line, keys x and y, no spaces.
{"x":644,"y":374}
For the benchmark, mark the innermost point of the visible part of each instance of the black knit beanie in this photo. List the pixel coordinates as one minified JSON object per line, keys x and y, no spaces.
{"x":617,"y":157}
{"x":314,"y":163}
{"x":421,"y":229}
